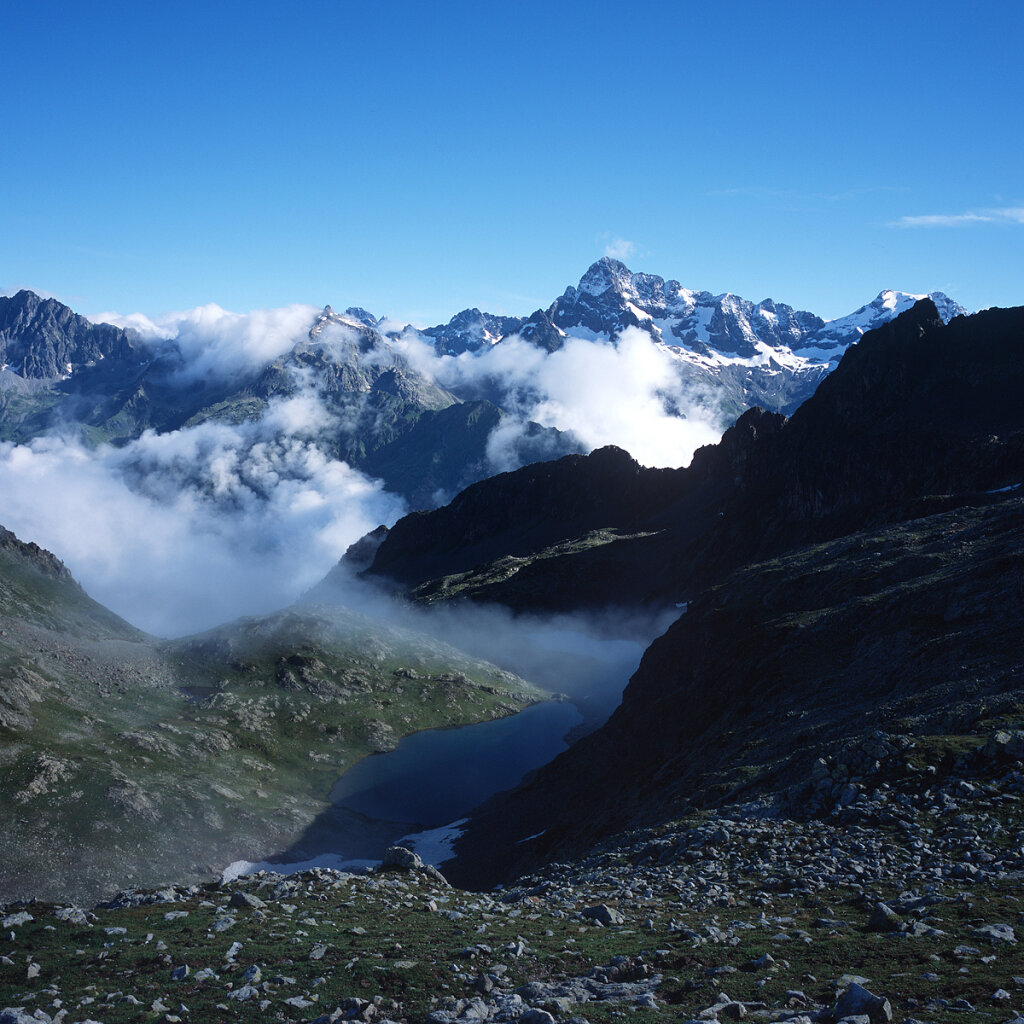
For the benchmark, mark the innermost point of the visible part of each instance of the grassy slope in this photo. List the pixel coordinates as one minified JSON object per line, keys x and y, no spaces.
{"x":128,"y":760}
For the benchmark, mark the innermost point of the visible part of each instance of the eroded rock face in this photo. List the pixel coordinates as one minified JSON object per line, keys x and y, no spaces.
{"x":42,"y":338}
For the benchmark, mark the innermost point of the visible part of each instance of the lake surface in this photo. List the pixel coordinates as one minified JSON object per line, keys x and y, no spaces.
{"x":438,"y":775}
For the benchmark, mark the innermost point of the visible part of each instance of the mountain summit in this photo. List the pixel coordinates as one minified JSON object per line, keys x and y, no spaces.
{"x":745,"y":354}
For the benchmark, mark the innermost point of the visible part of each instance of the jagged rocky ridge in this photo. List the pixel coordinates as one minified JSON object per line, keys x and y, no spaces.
{"x":737,"y":353}
{"x":42,"y":339}
{"x":381,"y":415}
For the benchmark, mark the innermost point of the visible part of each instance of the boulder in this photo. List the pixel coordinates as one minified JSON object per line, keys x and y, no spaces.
{"x":858,"y":1001}
{"x":603,"y":914}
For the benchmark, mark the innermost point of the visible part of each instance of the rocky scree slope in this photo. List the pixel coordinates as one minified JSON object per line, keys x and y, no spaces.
{"x":904,"y":905}
{"x":919,"y":416}
{"x":911,"y":631}
{"x":125,"y":759}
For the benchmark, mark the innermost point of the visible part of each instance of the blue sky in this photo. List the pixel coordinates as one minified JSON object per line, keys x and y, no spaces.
{"x":419,"y":158}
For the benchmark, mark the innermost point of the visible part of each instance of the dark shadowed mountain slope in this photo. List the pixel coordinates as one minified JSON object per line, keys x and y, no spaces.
{"x":911,"y":630}
{"x":918,"y":417}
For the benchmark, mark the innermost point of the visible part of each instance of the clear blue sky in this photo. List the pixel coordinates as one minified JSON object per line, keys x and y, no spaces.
{"x":416,"y":158}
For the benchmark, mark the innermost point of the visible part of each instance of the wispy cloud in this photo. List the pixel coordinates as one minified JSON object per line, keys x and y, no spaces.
{"x":1004,"y":215}
{"x":620,"y":249}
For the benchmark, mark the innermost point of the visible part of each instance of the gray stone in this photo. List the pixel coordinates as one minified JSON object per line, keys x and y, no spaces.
{"x":1005,"y":744}
{"x":398,"y":858}
{"x":535,"y":1016}
{"x":883,"y":919}
{"x":857,"y":1000}
{"x":17,"y":1015}
{"x":996,"y":933}
{"x":73,"y":915}
{"x":603,"y":914}
{"x":243,"y":993}
{"x":180,"y":973}
{"x":245,"y":899}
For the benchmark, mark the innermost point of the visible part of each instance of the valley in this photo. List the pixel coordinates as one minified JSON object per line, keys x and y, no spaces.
{"x":806,"y":807}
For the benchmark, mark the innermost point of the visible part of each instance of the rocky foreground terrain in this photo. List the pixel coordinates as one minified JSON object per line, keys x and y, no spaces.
{"x":900,"y":899}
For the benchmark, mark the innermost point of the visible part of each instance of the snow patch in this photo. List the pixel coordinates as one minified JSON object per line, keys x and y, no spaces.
{"x":526,"y":839}
{"x":436,"y":845}
{"x":334,"y":861}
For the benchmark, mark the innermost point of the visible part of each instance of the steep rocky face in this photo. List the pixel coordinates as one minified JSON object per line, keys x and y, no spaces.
{"x":911,"y":630}
{"x":694,"y":325}
{"x":43,"y":339}
{"x":919,"y":416}
{"x":744,"y":354}
{"x":471,"y":331}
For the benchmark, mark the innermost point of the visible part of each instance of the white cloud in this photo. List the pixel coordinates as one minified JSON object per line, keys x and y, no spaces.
{"x":1004,"y":215}
{"x":624,"y":393}
{"x":179,"y":531}
{"x":620,"y":249}
{"x":214,"y":342}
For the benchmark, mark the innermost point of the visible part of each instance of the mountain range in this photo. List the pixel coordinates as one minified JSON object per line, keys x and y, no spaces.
{"x":404,"y":405}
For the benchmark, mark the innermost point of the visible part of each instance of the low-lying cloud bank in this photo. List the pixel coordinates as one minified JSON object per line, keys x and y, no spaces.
{"x":627,"y":392}
{"x":178,"y":532}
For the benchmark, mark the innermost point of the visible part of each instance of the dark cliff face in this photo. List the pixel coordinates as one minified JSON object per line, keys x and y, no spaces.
{"x":912,"y":629}
{"x":39,"y":338}
{"x":917,"y":417}
{"x":519,"y":513}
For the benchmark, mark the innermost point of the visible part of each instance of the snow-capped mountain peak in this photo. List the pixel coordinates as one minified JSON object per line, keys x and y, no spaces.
{"x":837,"y":335}
{"x":607,"y":274}
{"x":768,"y":353}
